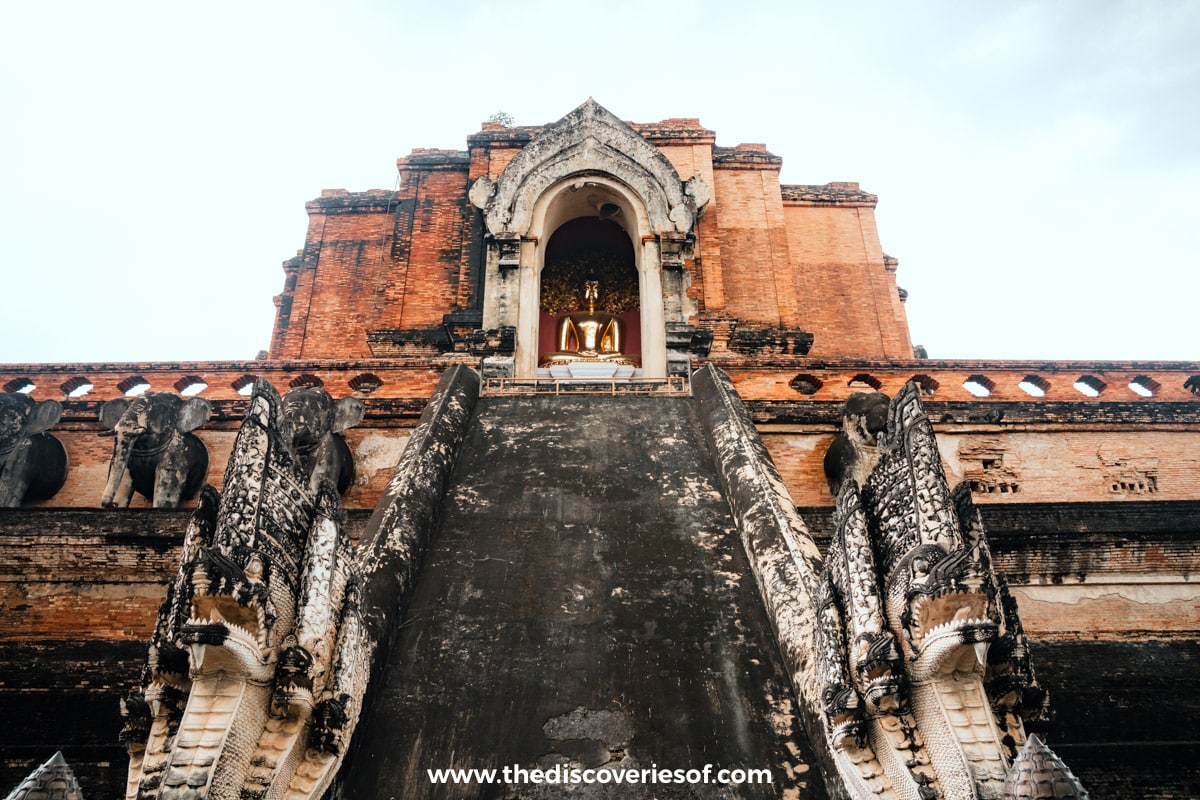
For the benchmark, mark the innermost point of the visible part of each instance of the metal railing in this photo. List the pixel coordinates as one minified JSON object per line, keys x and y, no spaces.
{"x":674,"y":386}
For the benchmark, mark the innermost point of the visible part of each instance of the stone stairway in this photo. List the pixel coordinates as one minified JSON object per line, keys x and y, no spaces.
{"x":585,"y":601}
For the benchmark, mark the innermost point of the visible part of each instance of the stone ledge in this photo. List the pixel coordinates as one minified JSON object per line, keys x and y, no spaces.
{"x":837,"y":193}
{"x":745,"y":157}
{"x":335,"y":200}
{"x":945,"y":414}
{"x":433,"y":159}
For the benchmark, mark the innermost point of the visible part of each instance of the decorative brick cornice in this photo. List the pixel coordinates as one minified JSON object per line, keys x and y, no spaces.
{"x":333,"y":201}
{"x":756,"y":377}
{"x":946,"y":380}
{"x":837,"y":193}
{"x":677,"y":130}
{"x":427,"y":159}
{"x":745,"y":156}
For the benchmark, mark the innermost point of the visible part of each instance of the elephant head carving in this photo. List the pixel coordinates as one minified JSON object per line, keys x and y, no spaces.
{"x":316,"y":421}
{"x":33,"y":464}
{"x":855,"y":452}
{"x":155,"y":453}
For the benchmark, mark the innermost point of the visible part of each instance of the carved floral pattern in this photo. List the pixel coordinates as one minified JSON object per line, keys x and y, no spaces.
{"x":564,"y":277}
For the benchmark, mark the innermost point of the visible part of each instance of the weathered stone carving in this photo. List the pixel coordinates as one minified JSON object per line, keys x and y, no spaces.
{"x":689,"y":339}
{"x":1039,"y":774}
{"x":589,"y":140}
{"x":923,"y":663}
{"x":987,"y":467}
{"x":155,"y":452}
{"x":253,"y":679}
{"x":316,"y":422}
{"x":770,"y":341}
{"x":33,"y":463}
{"x":53,"y":780}
{"x":853,"y":453}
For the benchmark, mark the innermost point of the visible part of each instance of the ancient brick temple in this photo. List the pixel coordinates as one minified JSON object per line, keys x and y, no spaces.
{"x":594,"y":447}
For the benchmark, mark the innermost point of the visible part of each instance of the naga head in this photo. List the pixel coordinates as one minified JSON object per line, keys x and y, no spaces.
{"x":939,"y":608}
{"x":231,"y":616}
{"x":878,"y":671}
{"x":843,"y":716}
{"x":915,"y":635}
{"x":938,"y":589}
{"x":243,"y":581}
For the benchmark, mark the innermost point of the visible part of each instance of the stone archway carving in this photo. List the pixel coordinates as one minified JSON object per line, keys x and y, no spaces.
{"x":588,"y":143}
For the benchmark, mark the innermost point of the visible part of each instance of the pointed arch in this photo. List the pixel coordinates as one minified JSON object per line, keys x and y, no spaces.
{"x":589,"y":141}
{"x":589,"y":152}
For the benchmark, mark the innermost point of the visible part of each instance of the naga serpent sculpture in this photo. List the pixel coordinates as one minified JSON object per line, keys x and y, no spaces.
{"x":254,"y":677}
{"x":925,"y":670}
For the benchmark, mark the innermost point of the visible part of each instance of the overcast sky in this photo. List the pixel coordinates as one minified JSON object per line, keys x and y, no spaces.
{"x":1037,"y":163}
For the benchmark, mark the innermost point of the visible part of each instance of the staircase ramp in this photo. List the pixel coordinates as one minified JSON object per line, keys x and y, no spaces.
{"x":584,"y":603}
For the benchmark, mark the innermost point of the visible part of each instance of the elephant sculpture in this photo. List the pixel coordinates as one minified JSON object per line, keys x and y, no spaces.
{"x":854,"y":451}
{"x":33,"y":464}
{"x":316,"y":421}
{"x":155,"y":453}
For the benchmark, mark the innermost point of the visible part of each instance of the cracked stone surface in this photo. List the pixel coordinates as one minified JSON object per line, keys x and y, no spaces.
{"x":586,"y":600}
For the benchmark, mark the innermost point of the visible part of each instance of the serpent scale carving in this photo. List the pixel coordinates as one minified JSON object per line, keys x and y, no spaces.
{"x":925,"y":666}
{"x":254,"y":674}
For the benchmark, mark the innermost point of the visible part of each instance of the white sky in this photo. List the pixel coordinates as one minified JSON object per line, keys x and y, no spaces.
{"x":1037,"y":163}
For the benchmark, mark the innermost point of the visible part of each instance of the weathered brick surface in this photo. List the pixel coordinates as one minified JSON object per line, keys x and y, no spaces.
{"x":1091,"y":500}
{"x":66,"y":696}
{"x":1124,"y":715}
{"x":1116,"y":571}
{"x":377,"y":442}
{"x":376,"y":450}
{"x":776,"y":378}
{"x":1062,"y":446}
{"x":1031,"y":466}
{"x":90,"y":574}
{"x":766,"y":255}
{"x":754,"y":255}
{"x":848,"y":294}
{"x":63,"y":673}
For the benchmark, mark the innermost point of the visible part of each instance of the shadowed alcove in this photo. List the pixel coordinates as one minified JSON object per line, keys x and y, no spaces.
{"x":583,"y":250}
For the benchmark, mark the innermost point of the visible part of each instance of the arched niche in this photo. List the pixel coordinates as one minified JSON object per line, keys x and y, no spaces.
{"x":589,"y":248}
{"x":569,"y":170}
{"x":573,"y":199}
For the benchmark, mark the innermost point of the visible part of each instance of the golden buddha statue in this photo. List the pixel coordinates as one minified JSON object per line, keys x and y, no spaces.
{"x":589,"y":335}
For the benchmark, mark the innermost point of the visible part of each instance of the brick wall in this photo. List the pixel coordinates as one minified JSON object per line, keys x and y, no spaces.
{"x":1060,"y":446}
{"x":848,"y":295}
{"x":1024,"y":466}
{"x":766,"y":255}
{"x":1104,"y":590}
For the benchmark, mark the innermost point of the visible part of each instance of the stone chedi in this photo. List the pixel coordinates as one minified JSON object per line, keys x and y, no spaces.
{"x":754,"y":555}
{"x":1038,"y":774}
{"x":51,"y":781}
